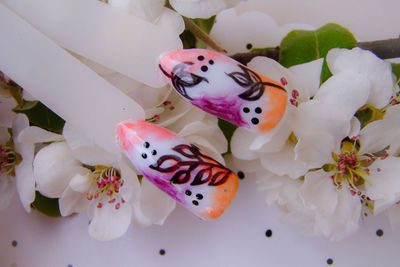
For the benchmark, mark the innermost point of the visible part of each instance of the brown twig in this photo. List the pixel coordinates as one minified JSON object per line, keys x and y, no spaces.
{"x":384,"y":49}
{"x":200,"y":34}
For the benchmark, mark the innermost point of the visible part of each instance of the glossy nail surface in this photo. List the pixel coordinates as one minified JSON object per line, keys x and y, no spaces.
{"x":225,"y":88}
{"x":195,"y":180}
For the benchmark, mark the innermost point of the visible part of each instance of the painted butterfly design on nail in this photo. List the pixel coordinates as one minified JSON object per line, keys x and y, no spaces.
{"x":225,"y":88}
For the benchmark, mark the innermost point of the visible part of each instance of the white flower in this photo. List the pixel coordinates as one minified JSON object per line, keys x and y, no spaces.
{"x":253,"y":29}
{"x":153,"y":11}
{"x":16,"y":160}
{"x":201,"y":8}
{"x":110,"y":192}
{"x":349,"y":180}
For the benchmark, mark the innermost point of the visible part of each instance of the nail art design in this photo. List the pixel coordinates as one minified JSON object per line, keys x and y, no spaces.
{"x":195,"y":180}
{"x":225,"y":88}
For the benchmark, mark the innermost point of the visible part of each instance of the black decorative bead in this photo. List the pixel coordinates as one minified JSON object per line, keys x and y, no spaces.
{"x":204,"y":68}
{"x":255,"y":121}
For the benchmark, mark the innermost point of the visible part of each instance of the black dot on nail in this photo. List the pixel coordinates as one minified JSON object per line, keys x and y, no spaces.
{"x":329,"y":261}
{"x":146,"y":144}
{"x":154,"y":152}
{"x":211,"y":62}
{"x":240,"y":174}
{"x":254,"y":121}
{"x":188,"y":192}
{"x":199,"y":196}
{"x":268,"y":233}
{"x":200,"y":58}
{"x":195,"y":202}
{"x":144,"y":155}
{"x":246,"y":110}
{"x":249,"y":46}
{"x":204,"y":68}
{"x":70,"y":265}
{"x":258,"y":110}
{"x":379,"y":232}
{"x":162,"y":252}
{"x":14,"y":243}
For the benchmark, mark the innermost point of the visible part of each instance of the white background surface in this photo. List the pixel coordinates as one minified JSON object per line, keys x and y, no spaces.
{"x":238,"y":237}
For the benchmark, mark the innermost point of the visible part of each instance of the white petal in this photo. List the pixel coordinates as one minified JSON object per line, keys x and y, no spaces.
{"x":240,"y":144}
{"x":72,"y":202}
{"x":345,"y":220}
{"x":355,"y":127}
{"x":155,"y":204}
{"x":181,"y":108}
{"x":119,"y":3}
{"x":248,"y":165}
{"x":379,"y":134}
{"x":81,"y":183}
{"x":270,"y":68}
{"x":201,"y":9}
{"x":284,"y":162}
{"x":147,"y":9}
{"x":384,"y":178}
{"x":7,"y":191}
{"x":171,"y":21}
{"x":347,"y":92}
{"x":319,"y":193}
{"x":24,"y":177}
{"x":248,"y":30}
{"x":318,"y":117}
{"x":25,"y":183}
{"x":131,"y":188}
{"x":109,"y":223}
{"x":54,"y":167}
{"x":315,"y":149}
{"x":368,"y":64}
{"x":306,"y":78}
{"x":33,"y":134}
{"x":85,"y":150}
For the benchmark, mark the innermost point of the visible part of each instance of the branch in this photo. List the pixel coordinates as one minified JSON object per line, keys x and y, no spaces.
{"x":200,"y":34}
{"x":384,"y":49}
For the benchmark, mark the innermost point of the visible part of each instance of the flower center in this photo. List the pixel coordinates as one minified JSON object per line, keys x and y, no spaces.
{"x":8,"y":160}
{"x":294,"y":99}
{"x":167,"y":105}
{"x":109,"y":182}
{"x":353,"y":168}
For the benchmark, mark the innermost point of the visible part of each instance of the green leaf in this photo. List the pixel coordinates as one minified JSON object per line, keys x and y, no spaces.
{"x":188,"y":39}
{"x":26,"y":105}
{"x":47,"y":206}
{"x":301,"y":46}
{"x":228,"y":129}
{"x":396,"y":69}
{"x":39,"y":115}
